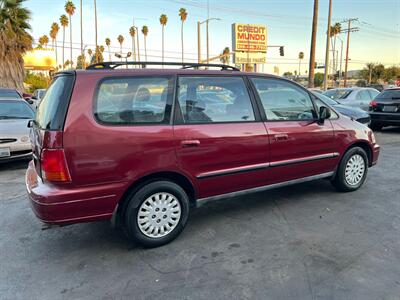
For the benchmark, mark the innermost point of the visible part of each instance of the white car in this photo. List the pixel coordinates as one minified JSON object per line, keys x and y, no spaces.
{"x":354,"y":97}
{"x":14,"y":132}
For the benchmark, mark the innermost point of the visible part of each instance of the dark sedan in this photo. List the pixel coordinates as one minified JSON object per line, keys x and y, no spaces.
{"x":385,"y":109}
{"x":356,"y":113}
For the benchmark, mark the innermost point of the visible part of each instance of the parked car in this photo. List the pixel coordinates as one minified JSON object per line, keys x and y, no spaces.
{"x":14,"y":132}
{"x":357,"y":114}
{"x":354,"y":97}
{"x":385,"y":109}
{"x":378,"y":87}
{"x":141,"y":148}
{"x":38,"y":94}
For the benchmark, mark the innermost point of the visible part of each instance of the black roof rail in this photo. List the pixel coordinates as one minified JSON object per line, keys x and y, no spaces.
{"x":109,"y":65}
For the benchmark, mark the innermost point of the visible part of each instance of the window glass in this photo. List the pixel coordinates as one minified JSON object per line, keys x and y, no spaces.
{"x":9,"y":94}
{"x":214,"y":99}
{"x":338,"y":93}
{"x":133,"y":100}
{"x":284,"y":101}
{"x":373,"y":94}
{"x":363,"y":95}
{"x":18,"y":109}
{"x":389,"y":95}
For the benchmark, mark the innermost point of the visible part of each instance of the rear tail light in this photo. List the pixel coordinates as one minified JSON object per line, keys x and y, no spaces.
{"x":54,"y":166}
{"x":373,"y":103}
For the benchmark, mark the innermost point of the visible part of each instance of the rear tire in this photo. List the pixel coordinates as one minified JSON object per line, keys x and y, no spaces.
{"x":376,"y":127}
{"x":157,"y":213}
{"x":352,"y":170}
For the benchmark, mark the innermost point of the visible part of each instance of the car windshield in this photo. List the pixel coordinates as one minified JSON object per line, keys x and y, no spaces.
{"x":9,"y":94}
{"x":15,"y":110}
{"x":338,"y":93}
{"x":325,"y":99}
{"x":389,"y":95}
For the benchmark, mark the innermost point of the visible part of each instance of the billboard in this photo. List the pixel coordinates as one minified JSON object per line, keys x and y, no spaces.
{"x":249,"y":43}
{"x":40,"y":59}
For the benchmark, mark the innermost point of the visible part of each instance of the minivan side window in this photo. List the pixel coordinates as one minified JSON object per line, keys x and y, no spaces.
{"x":284,"y":101}
{"x":134,"y":100}
{"x":208,"y":99}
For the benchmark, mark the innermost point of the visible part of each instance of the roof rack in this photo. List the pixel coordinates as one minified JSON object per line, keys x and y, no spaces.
{"x":110,"y":65}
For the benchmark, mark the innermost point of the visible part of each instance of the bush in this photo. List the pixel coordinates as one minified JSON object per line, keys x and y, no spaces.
{"x":36,"y":81}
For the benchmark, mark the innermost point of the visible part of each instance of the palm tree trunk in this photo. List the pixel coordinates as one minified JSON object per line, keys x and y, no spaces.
{"x":138,"y":50}
{"x":311,"y":69}
{"x":133,"y":51}
{"x":83,"y":61}
{"x":120,"y":47}
{"x":145,"y":48}
{"x":55,"y":49}
{"x":63,"y":57}
{"x":162,"y":45}
{"x":95,"y":30}
{"x":70,"y":40}
{"x":182,"y":39}
{"x":109,"y":53}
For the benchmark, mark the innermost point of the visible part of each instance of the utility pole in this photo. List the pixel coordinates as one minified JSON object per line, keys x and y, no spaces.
{"x":328,"y":33}
{"x":349,"y":29}
{"x":313,"y":42}
{"x":198,"y":43}
{"x":208,"y":49}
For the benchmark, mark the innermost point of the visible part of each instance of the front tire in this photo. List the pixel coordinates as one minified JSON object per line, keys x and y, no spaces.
{"x":352,"y":170}
{"x":376,"y":127}
{"x":157,"y":213}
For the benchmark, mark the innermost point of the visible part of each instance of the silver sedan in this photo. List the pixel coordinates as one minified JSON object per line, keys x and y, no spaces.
{"x":14,"y":132}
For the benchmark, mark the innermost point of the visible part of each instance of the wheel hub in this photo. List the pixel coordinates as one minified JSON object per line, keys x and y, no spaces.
{"x":355,"y":169}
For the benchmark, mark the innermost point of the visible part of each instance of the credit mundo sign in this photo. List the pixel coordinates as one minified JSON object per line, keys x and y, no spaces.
{"x":249,"y":37}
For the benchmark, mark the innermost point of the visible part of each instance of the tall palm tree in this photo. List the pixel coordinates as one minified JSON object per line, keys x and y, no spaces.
{"x":120,"y":39}
{"x":14,"y":42}
{"x":163,"y":22}
{"x":64,"y":23}
{"x":41,"y":42}
{"x":55,"y":28}
{"x":108,"y":43}
{"x":132,"y":32}
{"x":145,"y":31}
{"x":225,"y":56}
{"x":95,"y":29}
{"x":313,"y":45}
{"x":45,"y":40}
{"x":301,"y":56}
{"x":183,"y":14}
{"x":335,"y":30}
{"x":81,"y":21}
{"x":70,"y":10}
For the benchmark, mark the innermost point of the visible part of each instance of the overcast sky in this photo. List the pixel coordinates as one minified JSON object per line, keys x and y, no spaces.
{"x":288,"y":22}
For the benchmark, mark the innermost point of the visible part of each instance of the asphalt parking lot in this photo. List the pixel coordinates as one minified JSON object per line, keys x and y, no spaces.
{"x":302,"y":242}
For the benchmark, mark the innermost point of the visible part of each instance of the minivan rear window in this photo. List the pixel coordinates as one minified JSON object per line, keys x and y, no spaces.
{"x":52,"y":108}
{"x":389,"y":95}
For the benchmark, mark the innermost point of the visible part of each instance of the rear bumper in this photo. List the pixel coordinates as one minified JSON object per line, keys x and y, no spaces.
{"x":16,"y":157}
{"x":385,"y":118}
{"x":63,"y":204}
{"x":375,"y":154}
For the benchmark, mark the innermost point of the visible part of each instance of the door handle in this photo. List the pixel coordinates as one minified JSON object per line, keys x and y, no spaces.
{"x":281,"y":137}
{"x":190,"y":143}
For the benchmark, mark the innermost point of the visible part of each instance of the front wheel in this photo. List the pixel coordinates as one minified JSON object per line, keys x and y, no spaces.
{"x":375,"y":127}
{"x":157,"y":213}
{"x":352,"y":170}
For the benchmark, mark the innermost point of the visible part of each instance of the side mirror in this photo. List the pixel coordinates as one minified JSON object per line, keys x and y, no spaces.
{"x":324,"y":113}
{"x":34,"y":98}
{"x":30,"y":124}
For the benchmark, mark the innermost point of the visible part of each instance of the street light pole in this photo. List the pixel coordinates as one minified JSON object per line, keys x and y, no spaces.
{"x":208,"y":49}
{"x":198,"y":38}
{"x":328,"y":33}
{"x":198,"y":43}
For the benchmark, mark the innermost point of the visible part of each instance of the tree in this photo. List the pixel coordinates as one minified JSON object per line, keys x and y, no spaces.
{"x":108,"y":43}
{"x":372,"y":73}
{"x":335,"y":30}
{"x":81,"y":29}
{"x":53,"y":34}
{"x":392,"y":73}
{"x":14,"y":42}
{"x":163,"y":22}
{"x":183,"y":14}
{"x":225,"y":58}
{"x":95,"y":28}
{"x":145,"y":31}
{"x":318,"y":79}
{"x":120,"y":39}
{"x":64,"y":23}
{"x":90,"y":53}
{"x":301,"y":56}
{"x":70,"y":10}
{"x":132,"y":33}
{"x":80,"y":63}
{"x":313,"y":45}
{"x":287,"y":74}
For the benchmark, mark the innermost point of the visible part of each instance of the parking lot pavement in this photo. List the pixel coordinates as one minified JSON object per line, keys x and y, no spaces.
{"x":302,"y":242}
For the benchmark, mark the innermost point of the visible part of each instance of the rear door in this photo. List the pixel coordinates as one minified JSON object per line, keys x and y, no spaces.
{"x":299,"y":145}
{"x":220,"y":139}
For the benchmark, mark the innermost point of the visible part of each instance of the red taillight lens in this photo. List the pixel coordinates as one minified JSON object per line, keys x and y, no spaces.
{"x":54,"y":165}
{"x":373,"y":103}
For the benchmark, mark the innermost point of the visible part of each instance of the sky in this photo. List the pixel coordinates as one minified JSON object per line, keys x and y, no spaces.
{"x":288,"y":21}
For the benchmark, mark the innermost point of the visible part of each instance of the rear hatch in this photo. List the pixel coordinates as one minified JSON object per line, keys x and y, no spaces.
{"x":387,"y":102}
{"x":48,"y":126}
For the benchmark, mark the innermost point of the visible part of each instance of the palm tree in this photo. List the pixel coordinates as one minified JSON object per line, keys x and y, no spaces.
{"x":41,"y":42}
{"x":335,"y":30}
{"x":163,"y":22}
{"x":64,"y":23}
{"x":120,"y":39}
{"x":225,"y":56}
{"x":313,"y":45}
{"x":183,"y":14}
{"x":53,"y":34}
{"x":81,"y":21}
{"x":95,"y":28}
{"x":70,"y":10}
{"x":132,"y":32}
{"x":301,"y":56}
{"x":44,"y":40}
{"x":108,"y":43}
{"x":145,"y":31}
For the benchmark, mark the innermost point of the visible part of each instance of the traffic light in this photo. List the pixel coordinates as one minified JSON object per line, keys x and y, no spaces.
{"x":281,"y":51}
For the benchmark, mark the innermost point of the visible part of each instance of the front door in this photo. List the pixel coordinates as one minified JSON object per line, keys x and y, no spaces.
{"x":220,"y":138}
{"x":300,"y":146}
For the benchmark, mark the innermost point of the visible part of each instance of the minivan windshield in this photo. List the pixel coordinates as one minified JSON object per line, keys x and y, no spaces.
{"x":15,"y":110}
{"x":51,"y":112}
{"x":338,"y":93}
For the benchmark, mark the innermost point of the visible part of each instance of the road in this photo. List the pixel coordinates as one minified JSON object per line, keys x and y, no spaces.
{"x":302,"y":242}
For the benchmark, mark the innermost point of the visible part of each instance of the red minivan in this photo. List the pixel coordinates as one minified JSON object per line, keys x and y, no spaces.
{"x":142,"y":147}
